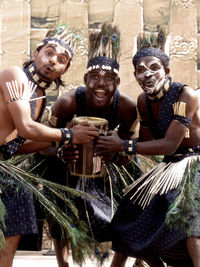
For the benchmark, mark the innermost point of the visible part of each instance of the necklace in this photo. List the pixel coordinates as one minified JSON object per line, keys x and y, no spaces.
{"x":162,"y":91}
{"x":33,"y":77}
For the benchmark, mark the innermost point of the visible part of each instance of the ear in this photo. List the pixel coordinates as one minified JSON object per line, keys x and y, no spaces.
{"x":35,"y":54}
{"x":85,"y":78}
{"x":118,"y":80}
{"x":167,"y":71}
{"x":135,"y":74}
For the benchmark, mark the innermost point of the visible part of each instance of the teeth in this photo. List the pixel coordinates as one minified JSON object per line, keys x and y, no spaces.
{"x":99,"y":90}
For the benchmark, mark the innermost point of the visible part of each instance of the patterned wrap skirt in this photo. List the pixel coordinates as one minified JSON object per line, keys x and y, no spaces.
{"x":20,"y":218}
{"x":143,"y":231}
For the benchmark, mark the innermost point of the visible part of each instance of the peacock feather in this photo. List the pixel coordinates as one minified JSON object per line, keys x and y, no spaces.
{"x":74,"y":230}
{"x":104,"y":42}
{"x":152,"y":39}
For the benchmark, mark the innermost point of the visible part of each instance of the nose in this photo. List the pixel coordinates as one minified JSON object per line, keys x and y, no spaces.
{"x":148,"y":73}
{"x":53,"y":59}
{"x":101,"y":82}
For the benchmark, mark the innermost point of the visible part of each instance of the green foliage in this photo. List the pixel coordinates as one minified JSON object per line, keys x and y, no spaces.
{"x":181,"y":213}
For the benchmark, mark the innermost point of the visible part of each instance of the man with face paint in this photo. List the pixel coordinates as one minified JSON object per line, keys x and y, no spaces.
{"x":159,"y":215}
{"x":22,"y":102}
{"x":101,"y":98}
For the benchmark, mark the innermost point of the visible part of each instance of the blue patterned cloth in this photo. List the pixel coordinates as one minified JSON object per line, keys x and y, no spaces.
{"x":20,"y":216}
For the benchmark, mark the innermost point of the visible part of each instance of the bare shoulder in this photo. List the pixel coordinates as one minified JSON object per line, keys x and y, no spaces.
{"x":126,"y":101}
{"x":12,"y":73}
{"x":188,"y":94}
{"x":198,"y":92}
{"x":65,"y":103}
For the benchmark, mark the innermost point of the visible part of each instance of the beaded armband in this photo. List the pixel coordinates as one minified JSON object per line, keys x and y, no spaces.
{"x":183,"y":120}
{"x":130,"y":146}
{"x":67,"y":136}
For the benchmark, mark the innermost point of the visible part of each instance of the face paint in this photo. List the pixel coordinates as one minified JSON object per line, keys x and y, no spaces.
{"x":44,"y":59}
{"x":111,"y":87}
{"x":91,"y":84}
{"x":59,"y":68}
{"x":102,"y":72}
{"x":150,"y":74}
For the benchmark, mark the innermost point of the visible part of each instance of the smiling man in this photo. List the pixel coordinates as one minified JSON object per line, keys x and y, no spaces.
{"x":101,"y":98}
{"x":159,"y":215}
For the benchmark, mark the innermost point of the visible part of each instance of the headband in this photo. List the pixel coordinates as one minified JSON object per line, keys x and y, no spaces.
{"x":151,"y":51}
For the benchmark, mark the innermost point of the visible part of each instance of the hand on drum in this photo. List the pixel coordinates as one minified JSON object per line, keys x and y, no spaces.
{"x":70,"y":153}
{"x":110,"y":143}
{"x":83,"y":133}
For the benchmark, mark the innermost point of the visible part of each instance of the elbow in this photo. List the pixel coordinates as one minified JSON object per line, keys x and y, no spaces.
{"x":25,"y":131}
{"x":25,"y":134}
{"x":170,"y":150}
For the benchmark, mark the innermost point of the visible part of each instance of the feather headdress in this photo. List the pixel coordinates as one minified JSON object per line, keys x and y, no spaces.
{"x":151,"y":44}
{"x":104,"y":47}
{"x":150,"y":39}
{"x":63,"y":36}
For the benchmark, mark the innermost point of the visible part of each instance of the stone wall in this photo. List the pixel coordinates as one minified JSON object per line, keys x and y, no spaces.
{"x":24,"y":23}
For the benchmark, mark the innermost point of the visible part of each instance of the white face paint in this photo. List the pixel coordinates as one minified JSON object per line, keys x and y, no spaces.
{"x":44,"y":59}
{"x":59,"y":68}
{"x":111,"y":88}
{"x":150,"y":74}
{"x":91,"y":84}
{"x":102,"y":72}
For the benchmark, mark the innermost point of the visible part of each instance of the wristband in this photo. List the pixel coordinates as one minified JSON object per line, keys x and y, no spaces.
{"x":67,"y":136}
{"x":130,"y":146}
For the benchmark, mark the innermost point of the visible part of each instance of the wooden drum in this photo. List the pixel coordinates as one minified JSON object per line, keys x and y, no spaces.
{"x":88,"y":164}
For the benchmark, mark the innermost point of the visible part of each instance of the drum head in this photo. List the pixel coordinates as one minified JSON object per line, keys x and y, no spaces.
{"x":91,"y":120}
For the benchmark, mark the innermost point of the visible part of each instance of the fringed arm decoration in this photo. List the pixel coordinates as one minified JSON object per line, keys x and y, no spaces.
{"x":180,"y":116}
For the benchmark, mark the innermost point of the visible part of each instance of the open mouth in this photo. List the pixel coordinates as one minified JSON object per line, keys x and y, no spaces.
{"x":149,"y":84}
{"x":49,"y":68}
{"x":100,"y":94}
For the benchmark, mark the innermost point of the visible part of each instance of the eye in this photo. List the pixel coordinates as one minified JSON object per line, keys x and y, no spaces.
{"x":94,"y":77}
{"x":49,"y":53}
{"x":155,"y":67}
{"x":108,"y":78}
{"x":140,"y":70}
{"x":62,"y":60}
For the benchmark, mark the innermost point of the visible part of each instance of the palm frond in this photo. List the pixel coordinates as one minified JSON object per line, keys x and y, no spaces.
{"x":73,"y":230}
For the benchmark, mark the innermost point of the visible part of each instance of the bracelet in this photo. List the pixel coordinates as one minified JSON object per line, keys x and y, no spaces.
{"x":130,"y":146}
{"x":67,"y":136}
{"x":59,"y":154}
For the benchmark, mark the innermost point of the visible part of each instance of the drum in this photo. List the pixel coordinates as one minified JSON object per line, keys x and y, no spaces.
{"x":89,"y":164}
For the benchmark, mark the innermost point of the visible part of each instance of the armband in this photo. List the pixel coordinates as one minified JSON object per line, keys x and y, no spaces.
{"x":183,"y":120}
{"x":67,"y":136}
{"x":130,"y":146}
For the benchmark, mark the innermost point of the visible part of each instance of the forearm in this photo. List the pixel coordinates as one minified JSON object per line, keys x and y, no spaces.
{"x":155,"y":147}
{"x":32,"y":146}
{"x":39,"y":132}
